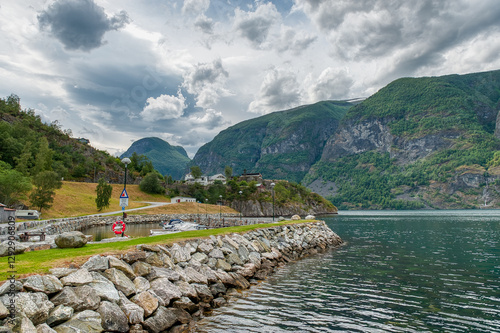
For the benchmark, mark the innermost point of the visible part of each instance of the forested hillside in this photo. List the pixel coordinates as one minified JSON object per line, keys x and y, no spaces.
{"x":418,"y":142}
{"x":280,"y":145}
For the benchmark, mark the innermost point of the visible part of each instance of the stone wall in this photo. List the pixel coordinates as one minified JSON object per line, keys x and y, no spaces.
{"x":155,"y":288}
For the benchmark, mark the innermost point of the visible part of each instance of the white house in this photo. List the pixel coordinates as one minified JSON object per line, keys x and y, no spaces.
{"x":182,"y":199}
{"x":205,"y":180}
{"x":5,"y":213}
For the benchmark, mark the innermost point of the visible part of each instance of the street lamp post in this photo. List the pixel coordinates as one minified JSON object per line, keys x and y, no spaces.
{"x":220,"y":209}
{"x":206,"y":210}
{"x":272,"y":187}
{"x":125,"y":161}
{"x":240,"y":192}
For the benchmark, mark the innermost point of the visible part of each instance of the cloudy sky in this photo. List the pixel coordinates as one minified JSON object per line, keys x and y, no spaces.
{"x":115,"y":71}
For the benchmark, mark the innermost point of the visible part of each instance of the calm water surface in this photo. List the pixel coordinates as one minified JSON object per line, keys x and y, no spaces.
{"x":410,"y":271}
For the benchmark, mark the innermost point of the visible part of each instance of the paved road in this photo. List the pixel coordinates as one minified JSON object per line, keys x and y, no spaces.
{"x":151,"y":205}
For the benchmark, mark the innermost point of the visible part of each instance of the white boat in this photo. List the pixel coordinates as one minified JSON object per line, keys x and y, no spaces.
{"x":176,"y":225}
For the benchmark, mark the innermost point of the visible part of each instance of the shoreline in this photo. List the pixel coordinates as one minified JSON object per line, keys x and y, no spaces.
{"x":181,"y":281}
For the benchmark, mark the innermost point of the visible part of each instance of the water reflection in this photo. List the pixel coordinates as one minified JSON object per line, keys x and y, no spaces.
{"x":400,"y":272}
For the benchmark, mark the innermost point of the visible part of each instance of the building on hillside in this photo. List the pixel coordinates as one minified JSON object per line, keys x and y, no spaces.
{"x":30,"y":214}
{"x":83,"y":140}
{"x":248,"y":177}
{"x":182,"y":199}
{"x":205,"y":180}
{"x":5,"y":213}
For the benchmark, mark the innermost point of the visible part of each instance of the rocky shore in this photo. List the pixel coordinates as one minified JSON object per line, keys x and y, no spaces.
{"x":155,"y":288}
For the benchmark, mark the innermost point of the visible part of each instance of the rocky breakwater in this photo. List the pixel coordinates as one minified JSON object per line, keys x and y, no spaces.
{"x":156,"y":288}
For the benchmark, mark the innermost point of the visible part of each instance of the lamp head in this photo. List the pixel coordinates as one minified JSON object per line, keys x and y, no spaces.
{"x":126,"y":161}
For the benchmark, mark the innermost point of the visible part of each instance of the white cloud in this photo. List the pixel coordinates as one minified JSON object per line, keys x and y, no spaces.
{"x":195,"y":7}
{"x":255,"y":26}
{"x":164,"y":107}
{"x":333,"y":83}
{"x":279,"y":90}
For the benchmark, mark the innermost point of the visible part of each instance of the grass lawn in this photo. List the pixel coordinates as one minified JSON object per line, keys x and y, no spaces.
{"x":39,"y":262}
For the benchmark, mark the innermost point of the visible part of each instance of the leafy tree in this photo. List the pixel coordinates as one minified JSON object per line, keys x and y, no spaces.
{"x":103,"y":191}
{"x":13,"y":185}
{"x":23,"y":162}
{"x":196,"y":172}
{"x":46,"y":182}
{"x":151,"y":184}
{"x":228,"y":172}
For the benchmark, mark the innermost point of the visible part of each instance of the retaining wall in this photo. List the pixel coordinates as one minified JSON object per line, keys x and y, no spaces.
{"x":155,"y":288}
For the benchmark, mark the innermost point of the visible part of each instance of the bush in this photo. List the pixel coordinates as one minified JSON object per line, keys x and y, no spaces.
{"x":151,"y":184}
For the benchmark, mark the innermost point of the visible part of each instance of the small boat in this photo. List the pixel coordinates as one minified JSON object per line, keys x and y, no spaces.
{"x":177,"y":225}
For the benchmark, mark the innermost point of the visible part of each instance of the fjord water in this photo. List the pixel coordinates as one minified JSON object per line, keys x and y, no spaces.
{"x":399,"y":271}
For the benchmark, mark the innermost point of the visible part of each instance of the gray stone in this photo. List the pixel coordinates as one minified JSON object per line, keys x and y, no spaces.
{"x":4,"y":312}
{"x":310,"y":217}
{"x":179,"y":253}
{"x":48,"y":284}
{"x":248,"y":270}
{"x":192,"y":276}
{"x":36,"y":306}
{"x":240,"y":281}
{"x":44,"y":328}
{"x":122,"y":266}
{"x":204,"y":293}
{"x":10,"y":286}
{"x":62,"y":272}
{"x":186,"y":304}
{"x":216,"y":253}
{"x":71,"y":239}
{"x":224,"y":265}
{"x":154,"y":259}
{"x":137,"y":328}
{"x":182,"y":315}
{"x":84,"y":322}
{"x":218,"y":289}
{"x":146,"y":301}
{"x":8,"y":248}
{"x":141,"y":268}
{"x":234,"y":259}
{"x":134,"y":256}
{"x":80,"y":277}
{"x":209,"y":274}
{"x":67,"y":297}
{"x":165,"y":290}
{"x":59,"y":315}
{"x":225,"y":278}
{"x":200,"y":257}
{"x":104,"y":288}
{"x":112,"y":317}
{"x":23,"y":324}
{"x":219,"y":302}
{"x":161,"y":272}
{"x":141,"y":284}
{"x":162,"y":320}
{"x":187,"y":290}
{"x":205,"y":247}
{"x":89,"y":300}
{"x":96,"y":263}
{"x":121,"y":281}
{"x":243,"y":253}
{"x":134,"y":312}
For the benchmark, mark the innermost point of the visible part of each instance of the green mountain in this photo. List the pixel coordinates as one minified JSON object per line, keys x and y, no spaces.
{"x":280,"y":145}
{"x":167,"y":159}
{"x":417,"y":143}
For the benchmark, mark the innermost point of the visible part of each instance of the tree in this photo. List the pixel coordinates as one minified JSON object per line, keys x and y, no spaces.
{"x":228,"y":172}
{"x":23,"y":162}
{"x":196,"y":172}
{"x":151,"y":184}
{"x":13,"y":185}
{"x":46,"y":182}
{"x":103,"y":191}
{"x":43,"y":157}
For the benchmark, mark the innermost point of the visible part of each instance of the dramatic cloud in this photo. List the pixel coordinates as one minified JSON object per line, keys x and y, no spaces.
{"x":79,"y":24}
{"x":164,"y":107}
{"x":206,"y":81}
{"x":333,"y":83}
{"x":255,"y":26}
{"x":205,"y":24}
{"x":210,"y":119}
{"x":295,"y":42}
{"x":277,"y":92}
{"x":195,"y":7}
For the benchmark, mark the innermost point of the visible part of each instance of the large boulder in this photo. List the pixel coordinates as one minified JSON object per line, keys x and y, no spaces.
{"x":13,"y":247}
{"x":71,"y":239}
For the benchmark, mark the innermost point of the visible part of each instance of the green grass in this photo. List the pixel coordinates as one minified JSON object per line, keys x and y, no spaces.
{"x":39,"y":262}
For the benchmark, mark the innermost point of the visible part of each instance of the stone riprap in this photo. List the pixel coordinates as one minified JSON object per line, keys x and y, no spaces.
{"x":157,"y":288}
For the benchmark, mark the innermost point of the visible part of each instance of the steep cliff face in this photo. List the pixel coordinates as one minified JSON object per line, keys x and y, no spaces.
{"x":414,"y":141}
{"x":280,"y":145}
